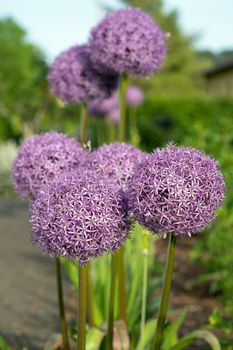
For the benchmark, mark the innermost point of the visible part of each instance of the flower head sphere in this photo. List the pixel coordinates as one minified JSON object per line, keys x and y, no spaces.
{"x":73,"y":78}
{"x":103,"y":107}
{"x":114,"y":116}
{"x":42,"y":158}
{"x":128,"y":41}
{"x":176,"y":190}
{"x":134,"y":96}
{"x":79,"y":216}
{"x":116,"y":162}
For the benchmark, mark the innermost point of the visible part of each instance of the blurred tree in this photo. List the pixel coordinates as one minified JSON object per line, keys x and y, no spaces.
{"x":182,"y":71}
{"x":24,"y":95}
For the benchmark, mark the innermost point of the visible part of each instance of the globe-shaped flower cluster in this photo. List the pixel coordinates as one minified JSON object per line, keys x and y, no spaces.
{"x":127,"y":41}
{"x":42,"y":158}
{"x":116,"y":162}
{"x":79,"y":216}
{"x":176,"y":190}
{"x":73,"y":78}
{"x":103,"y":107}
{"x":134,"y":96}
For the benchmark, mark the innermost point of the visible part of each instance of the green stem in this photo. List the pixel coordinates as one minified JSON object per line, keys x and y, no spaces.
{"x":63,"y":324}
{"x":122,"y":287}
{"x":122,"y":125}
{"x":165,"y":293}
{"x":120,"y":254}
{"x":109,"y":342}
{"x":145,"y":253}
{"x":84,"y":124}
{"x":82,"y":307}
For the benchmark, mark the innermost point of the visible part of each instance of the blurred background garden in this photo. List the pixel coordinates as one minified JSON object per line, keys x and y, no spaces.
{"x":190,"y":102}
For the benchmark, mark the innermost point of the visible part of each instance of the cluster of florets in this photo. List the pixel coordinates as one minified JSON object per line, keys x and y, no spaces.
{"x":73,"y":78}
{"x":42,"y":158}
{"x":103,"y":107}
{"x":128,"y":41}
{"x":134,"y":96}
{"x":110,"y":107}
{"x":176,"y":190}
{"x":79,"y":216}
{"x":116,"y":162}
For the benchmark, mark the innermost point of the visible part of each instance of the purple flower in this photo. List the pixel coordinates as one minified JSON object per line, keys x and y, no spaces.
{"x":42,"y":158}
{"x":114,"y":115}
{"x":134,"y":96}
{"x":102,"y":107}
{"x":74,"y":79}
{"x":128,"y":41}
{"x":79,"y":216}
{"x":116,"y":162}
{"x":176,"y":190}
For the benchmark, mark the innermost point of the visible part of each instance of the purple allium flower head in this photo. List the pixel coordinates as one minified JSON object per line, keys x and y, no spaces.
{"x":134,"y":96}
{"x":79,"y":216}
{"x":128,"y":41}
{"x":176,"y":190}
{"x":73,"y":78}
{"x":116,"y":162}
{"x":102,"y":107}
{"x":42,"y":158}
{"x":114,"y":115}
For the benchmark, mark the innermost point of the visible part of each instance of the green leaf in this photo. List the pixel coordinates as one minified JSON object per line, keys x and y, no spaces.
{"x":209,"y":337}
{"x":148,"y":334}
{"x":4,"y":345}
{"x":171,"y":331}
{"x":94,"y":338}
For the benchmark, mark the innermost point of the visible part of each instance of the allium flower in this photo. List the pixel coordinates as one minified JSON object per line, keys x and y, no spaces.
{"x":176,"y":190}
{"x":134,"y":96}
{"x":115,"y":161}
{"x":42,"y":158}
{"x":102,"y":107}
{"x":128,"y":41}
{"x":79,"y":216}
{"x":114,"y":115}
{"x":74,"y":79}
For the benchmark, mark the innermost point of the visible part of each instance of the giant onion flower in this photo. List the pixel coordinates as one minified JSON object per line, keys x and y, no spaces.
{"x":42,"y":158}
{"x":79,"y":216}
{"x":128,"y":41}
{"x":116,"y":162}
{"x":74,"y":79}
{"x":176,"y":190}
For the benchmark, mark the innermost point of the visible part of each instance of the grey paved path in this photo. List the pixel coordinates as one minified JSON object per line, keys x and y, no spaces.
{"x":28,"y":311}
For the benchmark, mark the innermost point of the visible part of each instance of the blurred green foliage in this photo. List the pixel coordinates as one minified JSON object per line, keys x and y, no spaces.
{"x":24,"y":95}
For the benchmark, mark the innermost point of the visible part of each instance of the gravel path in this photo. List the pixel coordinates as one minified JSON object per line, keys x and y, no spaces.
{"x":28,"y":310}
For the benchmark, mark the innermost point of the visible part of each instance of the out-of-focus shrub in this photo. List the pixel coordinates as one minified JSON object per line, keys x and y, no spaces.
{"x":8,"y":153}
{"x":208,"y":125}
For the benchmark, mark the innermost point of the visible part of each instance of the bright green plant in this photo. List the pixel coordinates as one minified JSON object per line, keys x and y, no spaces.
{"x":4,"y":345}
{"x":8,"y":153}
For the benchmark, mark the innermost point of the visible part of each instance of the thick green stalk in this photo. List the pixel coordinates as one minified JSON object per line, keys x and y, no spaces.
{"x":145,"y":253}
{"x":120,"y":254}
{"x":109,"y":341}
{"x":63,"y":324}
{"x":122,"y":125}
{"x":84,"y":124}
{"x":82,"y":307}
{"x":90,"y":316}
{"x":122,"y":288}
{"x":165,"y":293}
